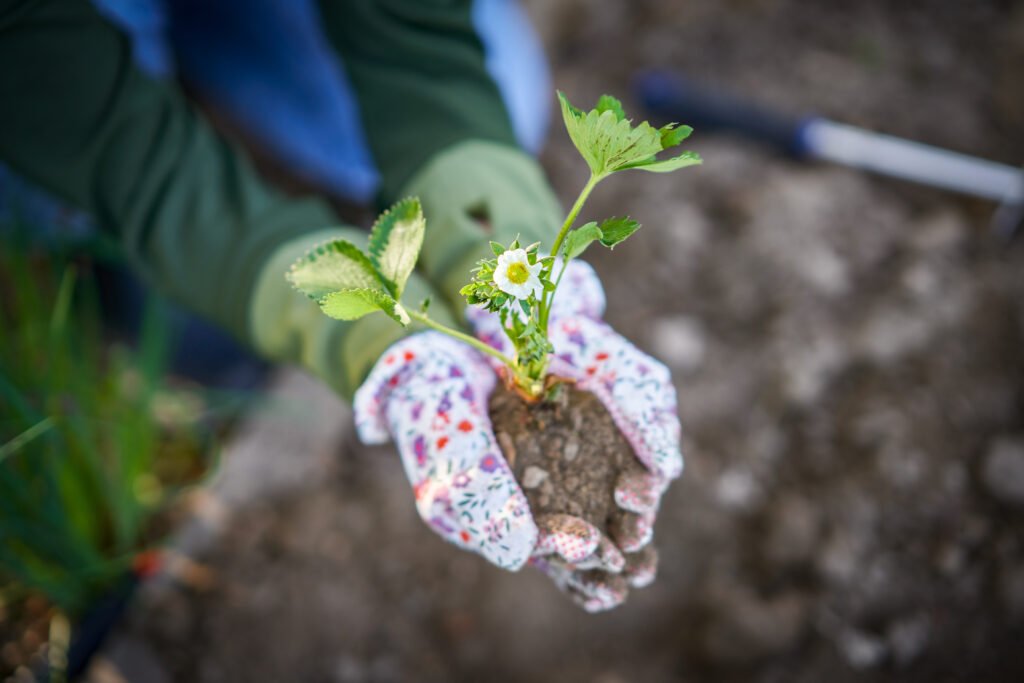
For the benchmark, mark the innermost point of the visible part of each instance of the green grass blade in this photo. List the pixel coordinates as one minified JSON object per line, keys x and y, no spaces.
{"x":25,"y":438}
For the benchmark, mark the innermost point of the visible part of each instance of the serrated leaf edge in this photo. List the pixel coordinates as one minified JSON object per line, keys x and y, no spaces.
{"x":319,"y":249}
{"x":379,"y":240}
{"x":383,"y":301}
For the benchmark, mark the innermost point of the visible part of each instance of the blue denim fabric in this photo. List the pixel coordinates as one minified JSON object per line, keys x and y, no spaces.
{"x":267,"y":64}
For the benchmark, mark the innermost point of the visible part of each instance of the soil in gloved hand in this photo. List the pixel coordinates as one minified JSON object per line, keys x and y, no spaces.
{"x":566,"y":454}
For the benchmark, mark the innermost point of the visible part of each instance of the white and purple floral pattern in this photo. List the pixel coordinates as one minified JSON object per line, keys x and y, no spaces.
{"x":638,"y":393}
{"x":429,"y":393}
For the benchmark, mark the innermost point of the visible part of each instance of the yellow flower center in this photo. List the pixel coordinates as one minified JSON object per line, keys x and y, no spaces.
{"x":517,"y":273}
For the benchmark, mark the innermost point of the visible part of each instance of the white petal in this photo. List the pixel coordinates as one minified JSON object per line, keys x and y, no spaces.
{"x":522,"y":290}
{"x":519,"y":291}
{"x":501,"y":278}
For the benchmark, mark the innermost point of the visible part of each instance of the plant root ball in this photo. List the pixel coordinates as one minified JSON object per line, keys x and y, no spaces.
{"x":567,"y":455}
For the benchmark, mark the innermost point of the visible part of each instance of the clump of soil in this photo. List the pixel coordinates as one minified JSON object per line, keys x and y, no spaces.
{"x":567,"y":454}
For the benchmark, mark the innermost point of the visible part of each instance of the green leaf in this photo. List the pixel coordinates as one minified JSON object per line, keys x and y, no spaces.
{"x":395,"y":242}
{"x":352,"y":304}
{"x":567,"y":108}
{"x":615,"y":230}
{"x":573,"y":118}
{"x":331,"y":267}
{"x":609,"y":103}
{"x":682,"y":161}
{"x":497,"y":248}
{"x":607,"y":142}
{"x":673,"y":134}
{"x":577,"y":241}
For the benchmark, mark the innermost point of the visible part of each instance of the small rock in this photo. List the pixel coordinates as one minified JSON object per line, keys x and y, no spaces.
{"x":841,"y":557}
{"x":861,"y":650}
{"x":349,"y":669}
{"x":908,"y":638}
{"x":951,"y":559}
{"x":923,"y":281}
{"x":736,"y":489}
{"x":938,"y":232}
{"x":809,"y":369}
{"x":902,"y":467}
{"x":891,"y":334}
{"x":794,"y":533}
{"x":679,"y":341}
{"x":534,"y":477}
{"x":1003,"y":470}
{"x":687,"y":230}
{"x":571,"y":450}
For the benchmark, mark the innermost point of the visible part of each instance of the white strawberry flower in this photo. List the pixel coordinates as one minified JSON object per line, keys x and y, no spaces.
{"x":514,"y":275}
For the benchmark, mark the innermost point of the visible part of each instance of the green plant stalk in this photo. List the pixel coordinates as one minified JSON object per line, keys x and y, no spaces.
{"x":530,"y":376}
{"x":548,"y":297}
{"x":27,"y":436}
{"x":463,"y":337}
{"x":574,"y":212}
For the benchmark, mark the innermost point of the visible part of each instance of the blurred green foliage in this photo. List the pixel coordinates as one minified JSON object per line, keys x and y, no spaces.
{"x":93,"y":442}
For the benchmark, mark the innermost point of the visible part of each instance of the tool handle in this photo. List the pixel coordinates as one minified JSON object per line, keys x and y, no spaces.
{"x":675,"y":98}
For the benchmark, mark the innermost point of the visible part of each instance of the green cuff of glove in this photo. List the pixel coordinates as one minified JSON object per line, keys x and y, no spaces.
{"x":285,"y":325}
{"x":473,"y":193}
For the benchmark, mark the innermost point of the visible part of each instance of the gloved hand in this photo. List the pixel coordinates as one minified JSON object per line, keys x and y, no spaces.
{"x":429,"y":393}
{"x":638,"y":393}
{"x":478,"y":191}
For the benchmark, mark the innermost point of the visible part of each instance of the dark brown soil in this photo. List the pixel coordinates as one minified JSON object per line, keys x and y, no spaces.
{"x":566,"y":453}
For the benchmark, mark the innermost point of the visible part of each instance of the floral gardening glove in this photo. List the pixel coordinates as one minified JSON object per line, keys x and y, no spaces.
{"x":638,"y":393}
{"x":429,"y":393}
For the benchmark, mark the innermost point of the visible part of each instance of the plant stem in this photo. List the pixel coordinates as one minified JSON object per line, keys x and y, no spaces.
{"x":548,"y":297}
{"x":571,"y":218}
{"x":463,"y":337}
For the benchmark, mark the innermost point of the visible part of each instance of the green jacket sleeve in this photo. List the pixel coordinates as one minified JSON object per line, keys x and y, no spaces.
{"x":418,"y":68}
{"x":438,"y":128}
{"x":77,"y":118}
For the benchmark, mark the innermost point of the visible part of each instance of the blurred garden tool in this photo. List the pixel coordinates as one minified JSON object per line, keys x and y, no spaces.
{"x":813,"y":137}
